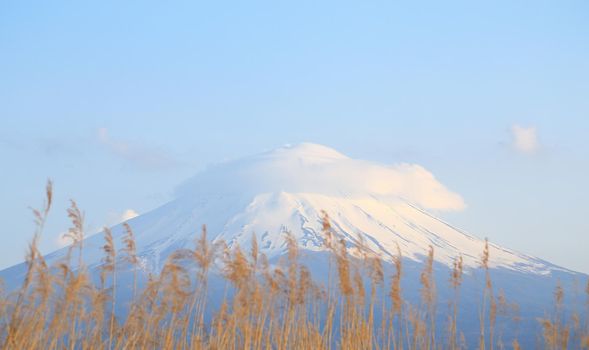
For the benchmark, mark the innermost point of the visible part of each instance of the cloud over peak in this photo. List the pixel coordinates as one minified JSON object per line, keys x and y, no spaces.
{"x":318,"y":169}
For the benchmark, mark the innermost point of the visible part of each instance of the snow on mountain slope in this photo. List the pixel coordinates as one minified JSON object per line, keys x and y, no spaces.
{"x":381,"y":224}
{"x":288,"y":188}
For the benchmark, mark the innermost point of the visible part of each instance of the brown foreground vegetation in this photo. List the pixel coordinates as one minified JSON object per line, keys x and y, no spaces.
{"x":271,"y":306}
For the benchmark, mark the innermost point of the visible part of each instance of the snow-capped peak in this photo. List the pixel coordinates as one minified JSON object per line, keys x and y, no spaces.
{"x":288,"y":189}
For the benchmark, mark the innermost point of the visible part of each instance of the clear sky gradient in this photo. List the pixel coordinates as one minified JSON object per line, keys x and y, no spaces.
{"x":119,"y":102}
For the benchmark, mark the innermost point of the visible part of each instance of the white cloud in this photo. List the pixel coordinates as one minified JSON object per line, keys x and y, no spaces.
{"x":113,"y":218}
{"x":142,"y":157}
{"x":128,"y":215}
{"x":62,"y":240}
{"x":525,"y":139}
{"x":116,"y":218}
{"x":318,"y":169}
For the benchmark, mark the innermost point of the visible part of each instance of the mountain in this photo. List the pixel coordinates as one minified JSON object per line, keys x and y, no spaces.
{"x":288,"y":190}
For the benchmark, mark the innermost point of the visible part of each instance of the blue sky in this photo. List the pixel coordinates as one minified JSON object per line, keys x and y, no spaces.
{"x":119,"y":102}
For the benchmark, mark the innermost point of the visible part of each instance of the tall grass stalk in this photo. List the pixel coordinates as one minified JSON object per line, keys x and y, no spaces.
{"x":265,"y":305}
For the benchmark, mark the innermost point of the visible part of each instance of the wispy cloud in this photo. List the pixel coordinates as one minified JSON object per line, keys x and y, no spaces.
{"x":141,"y":156}
{"x":113,"y":218}
{"x":525,"y":139}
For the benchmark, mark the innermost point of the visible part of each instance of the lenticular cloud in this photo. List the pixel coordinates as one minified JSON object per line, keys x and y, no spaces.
{"x":318,"y":169}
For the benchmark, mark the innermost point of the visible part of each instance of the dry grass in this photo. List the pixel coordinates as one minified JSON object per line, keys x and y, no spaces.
{"x":266,"y":306}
